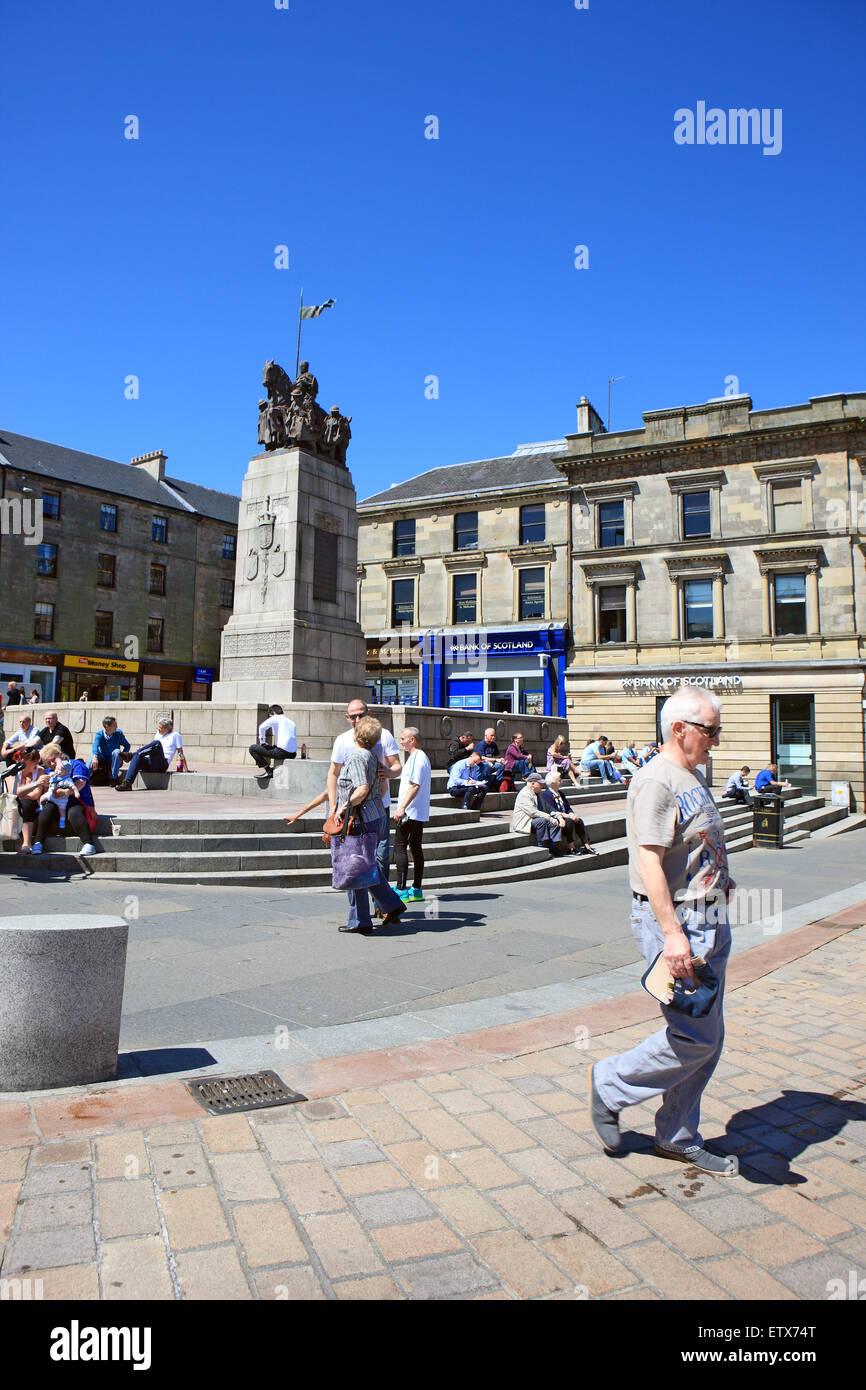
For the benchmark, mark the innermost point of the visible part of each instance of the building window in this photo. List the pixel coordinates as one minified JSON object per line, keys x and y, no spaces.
{"x":227,"y":593}
{"x":105,"y":571}
{"x":51,"y":506}
{"x":531,"y":584}
{"x":465,"y":593}
{"x":788,"y":506}
{"x":103,"y":629}
{"x":466,"y":531}
{"x":44,"y":624}
{"x":46,"y":562}
{"x":228,"y":545}
{"x":611,"y":613}
{"x":532,"y":529}
{"x":402,"y":602}
{"x":157,"y":580}
{"x":324,"y":565}
{"x":698,"y":608}
{"x":611,"y":524}
{"x":404,"y":538}
{"x":155,"y":634}
{"x":789,"y":605}
{"x":696,"y":514}
{"x":159,"y":530}
{"x":108,"y":517}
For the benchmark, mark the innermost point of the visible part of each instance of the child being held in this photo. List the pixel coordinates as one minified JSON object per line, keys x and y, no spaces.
{"x":60,"y":788}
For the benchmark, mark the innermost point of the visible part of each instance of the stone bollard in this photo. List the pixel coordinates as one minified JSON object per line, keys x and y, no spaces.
{"x":61,"y":993}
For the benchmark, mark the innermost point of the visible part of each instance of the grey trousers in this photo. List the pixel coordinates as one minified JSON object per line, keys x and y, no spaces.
{"x":678,"y":1061}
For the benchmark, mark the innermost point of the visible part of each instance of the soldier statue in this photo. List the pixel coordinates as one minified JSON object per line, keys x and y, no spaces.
{"x":337,"y":434}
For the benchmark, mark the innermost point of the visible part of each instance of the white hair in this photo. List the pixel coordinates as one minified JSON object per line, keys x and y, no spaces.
{"x":687,"y":703}
{"x":553,"y":776}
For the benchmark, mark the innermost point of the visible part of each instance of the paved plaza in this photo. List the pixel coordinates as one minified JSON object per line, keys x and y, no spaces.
{"x":445,"y":1150}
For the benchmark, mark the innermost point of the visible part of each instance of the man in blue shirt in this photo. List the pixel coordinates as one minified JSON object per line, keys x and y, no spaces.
{"x":108,"y":745}
{"x":466,"y":782}
{"x":766,"y":780}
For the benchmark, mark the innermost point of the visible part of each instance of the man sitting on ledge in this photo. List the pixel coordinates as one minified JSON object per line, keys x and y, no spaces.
{"x":152,"y":757}
{"x":285,"y":744}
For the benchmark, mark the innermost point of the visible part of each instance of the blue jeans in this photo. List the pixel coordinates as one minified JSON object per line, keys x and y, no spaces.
{"x":471,"y":798}
{"x":151,"y":758}
{"x":606,"y":768}
{"x":523,"y":766}
{"x":382,"y":893}
{"x":111,"y":764}
{"x":678,"y":1061}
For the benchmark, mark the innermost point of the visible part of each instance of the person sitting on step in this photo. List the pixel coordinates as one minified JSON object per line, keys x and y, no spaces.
{"x":573,"y":830}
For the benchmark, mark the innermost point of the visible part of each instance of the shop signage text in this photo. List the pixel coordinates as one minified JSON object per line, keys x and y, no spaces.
{"x":100,"y":663}
{"x":204,"y":675}
{"x":635,"y":685}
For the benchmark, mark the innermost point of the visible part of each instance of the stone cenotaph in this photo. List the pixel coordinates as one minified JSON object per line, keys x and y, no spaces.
{"x":293,"y":635}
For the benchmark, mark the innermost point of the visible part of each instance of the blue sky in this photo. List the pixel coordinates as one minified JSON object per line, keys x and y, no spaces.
{"x":452,"y":257}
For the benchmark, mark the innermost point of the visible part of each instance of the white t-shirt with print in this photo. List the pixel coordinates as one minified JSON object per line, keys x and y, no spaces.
{"x":416,"y":770}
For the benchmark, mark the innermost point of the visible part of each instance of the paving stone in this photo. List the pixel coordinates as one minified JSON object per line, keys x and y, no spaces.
{"x":731,"y":1213}
{"x":288,"y":1143}
{"x":424,"y":1164}
{"x":334,"y":1131}
{"x":70,"y":1151}
{"x":389,"y":1208}
{"x":64,"y":1177}
{"x":126,"y":1209}
{"x":353,"y":1151}
{"x":193,"y":1216}
{"x":310,"y":1188}
{"x":121,"y":1155}
{"x":498,"y":1132}
{"x":71,"y":1283}
{"x":558,"y":1138}
{"x":821,"y":1221}
{"x":595,"y":1213}
{"x":463,"y":1102}
{"x":13,"y":1164}
{"x":371,"y":1177}
{"x":244,"y":1177}
{"x":515,"y":1106}
{"x":352,"y":1099}
{"x":415,"y":1240}
{"x":268,"y":1234}
{"x":678,"y":1228}
{"x":180,"y":1165}
{"x":484,"y":1169}
{"x":482,"y":1081}
{"x":444,"y":1131}
{"x":744,"y":1279}
{"x":212,"y":1274}
{"x":298,"y":1284}
{"x":779,"y":1244}
{"x":673,"y":1276}
{"x":444,"y":1277}
{"x":442,"y":1081}
{"x":136,"y":1269}
{"x":408,"y":1095}
{"x":545,"y":1171}
{"x":65,"y":1245}
{"x":384,"y":1123}
{"x":327,"y":1109}
{"x":342,"y":1245}
{"x":588,"y":1264}
{"x":533,"y":1084}
{"x":531,"y":1212}
{"x":223,"y":1134}
{"x":519,"y":1264}
{"x":378,"y":1288}
{"x":467,"y":1211}
{"x":848,"y":1206}
{"x":176,"y":1134}
{"x":9,"y":1192}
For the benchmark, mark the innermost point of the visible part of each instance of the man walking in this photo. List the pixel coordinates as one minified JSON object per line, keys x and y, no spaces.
{"x":467,"y":782}
{"x":411,"y":816}
{"x":678,"y":870}
{"x":387,"y":752}
{"x":285,"y":744}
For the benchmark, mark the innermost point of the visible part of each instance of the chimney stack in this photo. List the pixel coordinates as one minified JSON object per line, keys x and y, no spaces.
{"x":154,"y":464}
{"x":588,"y":420}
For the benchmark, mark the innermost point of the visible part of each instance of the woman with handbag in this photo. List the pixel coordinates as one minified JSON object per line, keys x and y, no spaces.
{"x":21,"y":805}
{"x":81,"y":814}
{"x":359,"y":800}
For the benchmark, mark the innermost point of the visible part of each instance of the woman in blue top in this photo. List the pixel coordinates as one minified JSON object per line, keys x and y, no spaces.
{"x":358,"y":790}
{"x":80,"y":811}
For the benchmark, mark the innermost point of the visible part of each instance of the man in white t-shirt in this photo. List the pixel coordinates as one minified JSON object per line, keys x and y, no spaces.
{"x":411,"y":816}
{"x":285,"y":744}
{"x":387,"y":752}
{"x":153,"y":757}
{"x":25,"y":736}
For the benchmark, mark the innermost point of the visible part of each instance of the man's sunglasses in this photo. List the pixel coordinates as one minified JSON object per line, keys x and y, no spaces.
{"x":355,"y":716}
{"x":709,"y":729}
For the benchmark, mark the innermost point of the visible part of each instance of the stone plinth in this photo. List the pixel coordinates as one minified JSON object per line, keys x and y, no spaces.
{"x":293,"y":635}
{"x":61,"y":993}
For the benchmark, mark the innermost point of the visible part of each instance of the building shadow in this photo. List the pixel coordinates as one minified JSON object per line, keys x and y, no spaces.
{"x":162,"y":1061}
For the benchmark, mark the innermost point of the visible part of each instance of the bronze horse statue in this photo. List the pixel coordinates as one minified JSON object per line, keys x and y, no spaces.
{"x":279,"y":385}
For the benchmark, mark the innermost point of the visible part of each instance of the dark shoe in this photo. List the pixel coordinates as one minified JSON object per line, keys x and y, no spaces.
{"x":124,"y":786}
{"x":605,"y":1122}
{"x":361,"y":931}
{"x":394,"y":915}
{"x":723,"y":1165}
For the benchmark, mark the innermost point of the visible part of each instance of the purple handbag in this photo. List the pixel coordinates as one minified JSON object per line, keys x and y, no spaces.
{"x":353,"y":860}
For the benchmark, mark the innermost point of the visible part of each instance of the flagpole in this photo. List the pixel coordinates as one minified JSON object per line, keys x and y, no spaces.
{"x":298,"y":358}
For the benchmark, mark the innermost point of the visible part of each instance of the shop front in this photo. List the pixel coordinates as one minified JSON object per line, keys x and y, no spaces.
{"x":33,"y":670}
{"x":513,"y":671}
{"x":171,"y":680}
{"x":807,"y":719}
{"x":99,"y":678}
{"x":393,"y":666}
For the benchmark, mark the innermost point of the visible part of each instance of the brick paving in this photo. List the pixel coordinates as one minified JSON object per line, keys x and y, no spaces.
{"x":480,"y":1179}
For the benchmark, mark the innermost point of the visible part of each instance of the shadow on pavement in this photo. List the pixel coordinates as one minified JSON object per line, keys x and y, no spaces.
{"x":444,"y":922}
{"x":767,"y":1143}
{"x":159,"y":1061}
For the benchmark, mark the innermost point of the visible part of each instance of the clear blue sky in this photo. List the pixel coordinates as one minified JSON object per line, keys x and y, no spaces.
{"x":453,"y":257}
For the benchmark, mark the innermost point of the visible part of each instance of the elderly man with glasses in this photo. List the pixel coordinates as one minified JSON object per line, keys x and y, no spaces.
{"x":678,"y":870}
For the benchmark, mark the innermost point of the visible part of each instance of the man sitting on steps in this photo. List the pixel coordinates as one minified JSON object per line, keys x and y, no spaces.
{"x":285,"y":744}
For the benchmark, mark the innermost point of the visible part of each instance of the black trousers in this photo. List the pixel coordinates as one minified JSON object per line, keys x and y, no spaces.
{"x":262,"y":752}
{"x":76,"y":821}
{"x":408,"y":836}
{"x":574,"y":832}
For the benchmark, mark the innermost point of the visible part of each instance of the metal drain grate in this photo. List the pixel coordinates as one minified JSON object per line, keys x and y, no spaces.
{"x":226,"y":1095}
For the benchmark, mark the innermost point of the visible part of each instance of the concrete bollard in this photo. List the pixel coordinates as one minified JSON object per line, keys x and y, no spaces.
{"x":61,"y":994}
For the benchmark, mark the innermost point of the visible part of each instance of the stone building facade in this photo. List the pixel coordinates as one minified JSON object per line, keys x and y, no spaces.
{"x":716,"y":545}
{"x":117,"y":579}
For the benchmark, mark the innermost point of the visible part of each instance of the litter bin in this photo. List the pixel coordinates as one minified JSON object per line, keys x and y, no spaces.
{"x":768,"y":820}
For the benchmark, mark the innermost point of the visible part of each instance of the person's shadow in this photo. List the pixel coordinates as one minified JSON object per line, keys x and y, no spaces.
{"x":768,"y":1137}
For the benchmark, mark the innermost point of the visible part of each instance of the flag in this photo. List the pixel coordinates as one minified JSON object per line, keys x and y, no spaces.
{"x":312,"y":311}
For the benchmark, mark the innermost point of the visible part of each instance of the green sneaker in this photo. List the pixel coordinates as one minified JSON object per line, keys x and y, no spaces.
{"x":415,"y":895}
{"x":403,"y":894}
